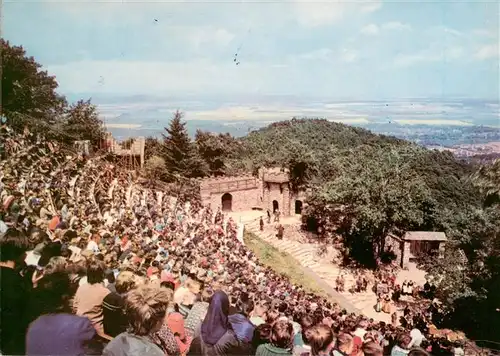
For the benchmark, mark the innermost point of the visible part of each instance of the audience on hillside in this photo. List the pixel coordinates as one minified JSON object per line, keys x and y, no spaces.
{"x":92,"y":262}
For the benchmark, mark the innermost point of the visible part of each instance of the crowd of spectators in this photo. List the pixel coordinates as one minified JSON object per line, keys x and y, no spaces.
{"x":92,"y":262}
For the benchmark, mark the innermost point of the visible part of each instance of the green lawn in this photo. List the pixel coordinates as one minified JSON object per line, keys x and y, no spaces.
{"x":282,"y":262}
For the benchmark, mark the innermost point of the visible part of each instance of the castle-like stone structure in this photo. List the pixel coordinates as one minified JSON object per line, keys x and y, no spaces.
{"x":270,"y":190}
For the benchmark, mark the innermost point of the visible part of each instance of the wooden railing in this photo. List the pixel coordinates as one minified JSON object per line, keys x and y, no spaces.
{"x":223,"y":187}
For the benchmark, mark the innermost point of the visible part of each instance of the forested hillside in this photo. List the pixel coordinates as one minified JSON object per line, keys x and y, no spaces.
{"x":362,"y":186}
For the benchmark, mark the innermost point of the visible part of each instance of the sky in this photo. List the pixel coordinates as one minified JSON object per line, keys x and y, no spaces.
{"x":234,"y":51}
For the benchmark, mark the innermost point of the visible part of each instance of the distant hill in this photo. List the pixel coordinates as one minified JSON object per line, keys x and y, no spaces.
{"x":271,"y":145}
{"x":317,"y":151}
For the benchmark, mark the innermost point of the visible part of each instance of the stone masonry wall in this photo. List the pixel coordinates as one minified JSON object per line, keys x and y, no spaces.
{"x":280,"y":193}
{"x":244,"y":191}
{"x":250,"y":192}
{"x":397,"y":247}
{"x":241,"y":200}
{"x":406,"y":254}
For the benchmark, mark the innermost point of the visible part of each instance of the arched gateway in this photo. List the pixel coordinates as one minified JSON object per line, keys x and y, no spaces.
{"x":276,"y":206}
{"x":298,"y":207}
{"x":227,"y":202}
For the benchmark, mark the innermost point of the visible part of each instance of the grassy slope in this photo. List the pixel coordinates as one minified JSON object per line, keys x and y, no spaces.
{"x":282,"y":262}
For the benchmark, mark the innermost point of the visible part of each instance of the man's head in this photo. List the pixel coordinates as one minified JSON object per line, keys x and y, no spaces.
{"x":95,"y":271}
{"x":282,"y":334}
{"x":125,"y":282}
{"x":146,"y":307}
{"x":13,"y":246}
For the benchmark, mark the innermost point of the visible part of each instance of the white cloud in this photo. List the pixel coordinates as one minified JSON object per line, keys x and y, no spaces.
{"x":483,"y":32}
{"x":408,"y":60}
{"x":311,"y":13}
{"x":123,"y":126}
{"x":373,"y":29}
{"x":488,"y":52}
{"x":371,"y":5}
{"x":396,"y":25}
{"x":198,"y":36}
{"x":453,"y":52}
{"x":197,"y":76}
{"x":446,"y":31}
{"x":370,"y":30}
{"x":320,"y":54}
{"x":430,"y":55}
{"x":348,"y":55}
{"x":439,"y":122}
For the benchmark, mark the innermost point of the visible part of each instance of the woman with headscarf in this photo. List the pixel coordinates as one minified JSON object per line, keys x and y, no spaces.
{"x":215,"y":336}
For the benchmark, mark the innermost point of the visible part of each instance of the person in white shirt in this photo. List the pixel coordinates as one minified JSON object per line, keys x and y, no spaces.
{"x":93,"y":243}
{"x":416,"y":338}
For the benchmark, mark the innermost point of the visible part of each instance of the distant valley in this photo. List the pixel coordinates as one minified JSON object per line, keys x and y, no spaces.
{"x":462,"y":125}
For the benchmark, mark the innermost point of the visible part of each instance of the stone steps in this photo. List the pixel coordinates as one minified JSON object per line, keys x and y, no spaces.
{"x":306,"y":255}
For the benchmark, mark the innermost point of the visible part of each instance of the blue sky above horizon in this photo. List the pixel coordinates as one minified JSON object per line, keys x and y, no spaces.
{"x":340,"y":50}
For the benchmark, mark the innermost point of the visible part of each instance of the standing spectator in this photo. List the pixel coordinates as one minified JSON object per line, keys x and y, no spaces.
{"x":14,"y":293}
{"x":89,"y":296}
{"x":146,"y":308}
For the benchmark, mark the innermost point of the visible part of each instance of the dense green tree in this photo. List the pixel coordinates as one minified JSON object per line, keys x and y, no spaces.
{"x":214,"y":149}
{"x":371,"y":198}
{"x":363,"y":186}
{"x":179,"y":152}
{"x":28,"y":93}
{"x":83,"y":123}
{"x":154,"y":167}
{"x":487,"y":180}
{"x":152,"y":147}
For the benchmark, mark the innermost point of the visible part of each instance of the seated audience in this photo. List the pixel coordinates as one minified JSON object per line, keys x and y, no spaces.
{"x":15,"y":293}
{"x":88,"y":220}
{"x":146,"y":307}
{"x":281,"y":341}
{"x":401,"y":348}
{"x":57,"y":331}
{"x":320,"y":338}
{"x":89,"y":296}
{"x":215,"y":335}
{"x":113,"y":305}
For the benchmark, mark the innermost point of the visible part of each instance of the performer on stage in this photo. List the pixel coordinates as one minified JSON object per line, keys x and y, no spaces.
{"x":281,"y":229}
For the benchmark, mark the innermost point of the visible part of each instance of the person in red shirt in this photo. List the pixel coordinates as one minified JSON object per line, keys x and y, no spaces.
{"x":53,"y":223}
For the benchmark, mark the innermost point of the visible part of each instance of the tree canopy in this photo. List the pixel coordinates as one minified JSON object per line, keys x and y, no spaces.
{"x":179,"y":152}
{"x":28,"y":91}
{"x":361,"y":186}
{"x":30,"y":99}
